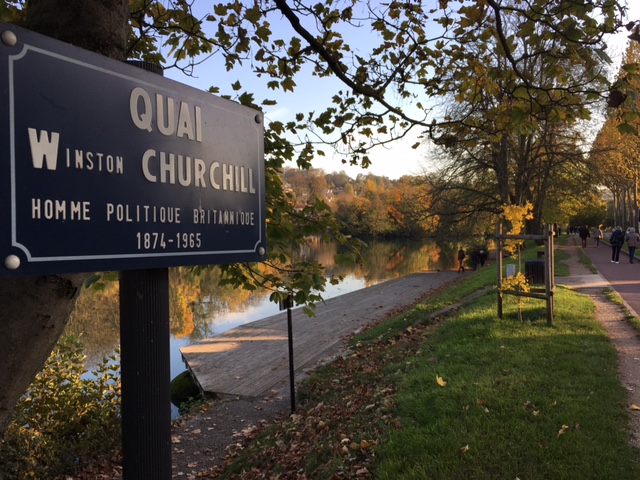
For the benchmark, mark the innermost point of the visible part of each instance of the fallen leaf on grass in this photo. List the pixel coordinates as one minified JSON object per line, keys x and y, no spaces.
{"x":634,"y":407}
{"x":563,"y":430}
{"x":465,"y":449}
{"x":440,"y":381}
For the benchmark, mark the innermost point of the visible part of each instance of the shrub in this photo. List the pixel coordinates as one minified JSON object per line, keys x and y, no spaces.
{"x":66,"y":419}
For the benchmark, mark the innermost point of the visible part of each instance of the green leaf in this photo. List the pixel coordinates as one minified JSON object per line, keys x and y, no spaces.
{"x":521,"y":92}
{"x":518,"y":115}
{"x":626,"y":129}
{"x":526,"y":29}
{"x":603,"y":55}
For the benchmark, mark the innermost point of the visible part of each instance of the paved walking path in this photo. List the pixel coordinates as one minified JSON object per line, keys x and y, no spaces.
{"x":252,"y":360}
{"x":623,"y":277}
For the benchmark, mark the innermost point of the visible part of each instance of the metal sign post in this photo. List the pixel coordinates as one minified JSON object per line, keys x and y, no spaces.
{"x":288,"y":304}
{"x":145,"y":372}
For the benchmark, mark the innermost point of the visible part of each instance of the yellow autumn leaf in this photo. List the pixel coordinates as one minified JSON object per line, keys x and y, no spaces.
{"x":465,"y":449}
{"x":634,"y":407}
{"x":440,"y":381}
{"x":563,"y":430}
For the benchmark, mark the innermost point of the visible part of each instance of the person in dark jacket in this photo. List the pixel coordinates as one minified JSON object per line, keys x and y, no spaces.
{"x":482,"y":257}
{"x":617,"y":240}
{"x":461,"y":257}
{"x":583,"y":232}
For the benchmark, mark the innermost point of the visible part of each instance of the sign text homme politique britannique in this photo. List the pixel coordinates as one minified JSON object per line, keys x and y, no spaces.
{"x":111,"y":167}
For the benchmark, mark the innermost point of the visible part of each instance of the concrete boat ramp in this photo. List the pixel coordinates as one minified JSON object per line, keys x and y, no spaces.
{"x":253,"y":360}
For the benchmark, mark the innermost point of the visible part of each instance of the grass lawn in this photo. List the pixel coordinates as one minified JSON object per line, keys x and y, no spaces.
{"x":521,"y":400}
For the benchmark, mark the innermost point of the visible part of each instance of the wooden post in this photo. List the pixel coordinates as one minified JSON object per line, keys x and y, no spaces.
{"x":499,"y":266}
{"x":548,"y":273}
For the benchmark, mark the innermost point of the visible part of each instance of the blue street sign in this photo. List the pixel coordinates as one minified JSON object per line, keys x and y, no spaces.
{"x":105,"y":166}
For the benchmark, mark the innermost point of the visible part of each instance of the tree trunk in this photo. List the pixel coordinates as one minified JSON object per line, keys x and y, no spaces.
{"x":35,"y":310}
{"x":34,"y":313}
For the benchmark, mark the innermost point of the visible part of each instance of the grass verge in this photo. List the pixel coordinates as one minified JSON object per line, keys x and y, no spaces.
{"x":469,"y":396}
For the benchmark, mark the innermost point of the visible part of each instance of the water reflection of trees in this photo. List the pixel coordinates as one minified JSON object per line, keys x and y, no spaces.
{"x":197,"y":301}
{"x":208,"y":301}
{"x":96,"y":317}
{"x":384,"y":259}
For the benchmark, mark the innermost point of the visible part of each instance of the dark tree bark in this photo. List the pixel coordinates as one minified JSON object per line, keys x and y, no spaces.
{"x":96,"y":25}
{"x":35,"y":310}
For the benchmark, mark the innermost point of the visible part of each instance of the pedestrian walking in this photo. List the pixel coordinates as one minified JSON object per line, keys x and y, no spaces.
{"x":617,"y":240}
{"x":583,"y":232}
{"x":475,"y":259}
{"x":482,"y":257}
{"x":597,"y":235}
{"x":461,"y":257}
{"x":633,"y":240}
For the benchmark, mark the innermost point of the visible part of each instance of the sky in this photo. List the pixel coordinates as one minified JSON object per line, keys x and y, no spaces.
{"x":315,"y":94}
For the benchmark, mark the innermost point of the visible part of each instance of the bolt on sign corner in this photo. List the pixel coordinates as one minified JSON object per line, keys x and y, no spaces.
{"x":106,"y":166}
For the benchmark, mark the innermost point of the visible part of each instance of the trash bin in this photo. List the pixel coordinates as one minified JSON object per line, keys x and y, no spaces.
{"x":534,"y":271}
